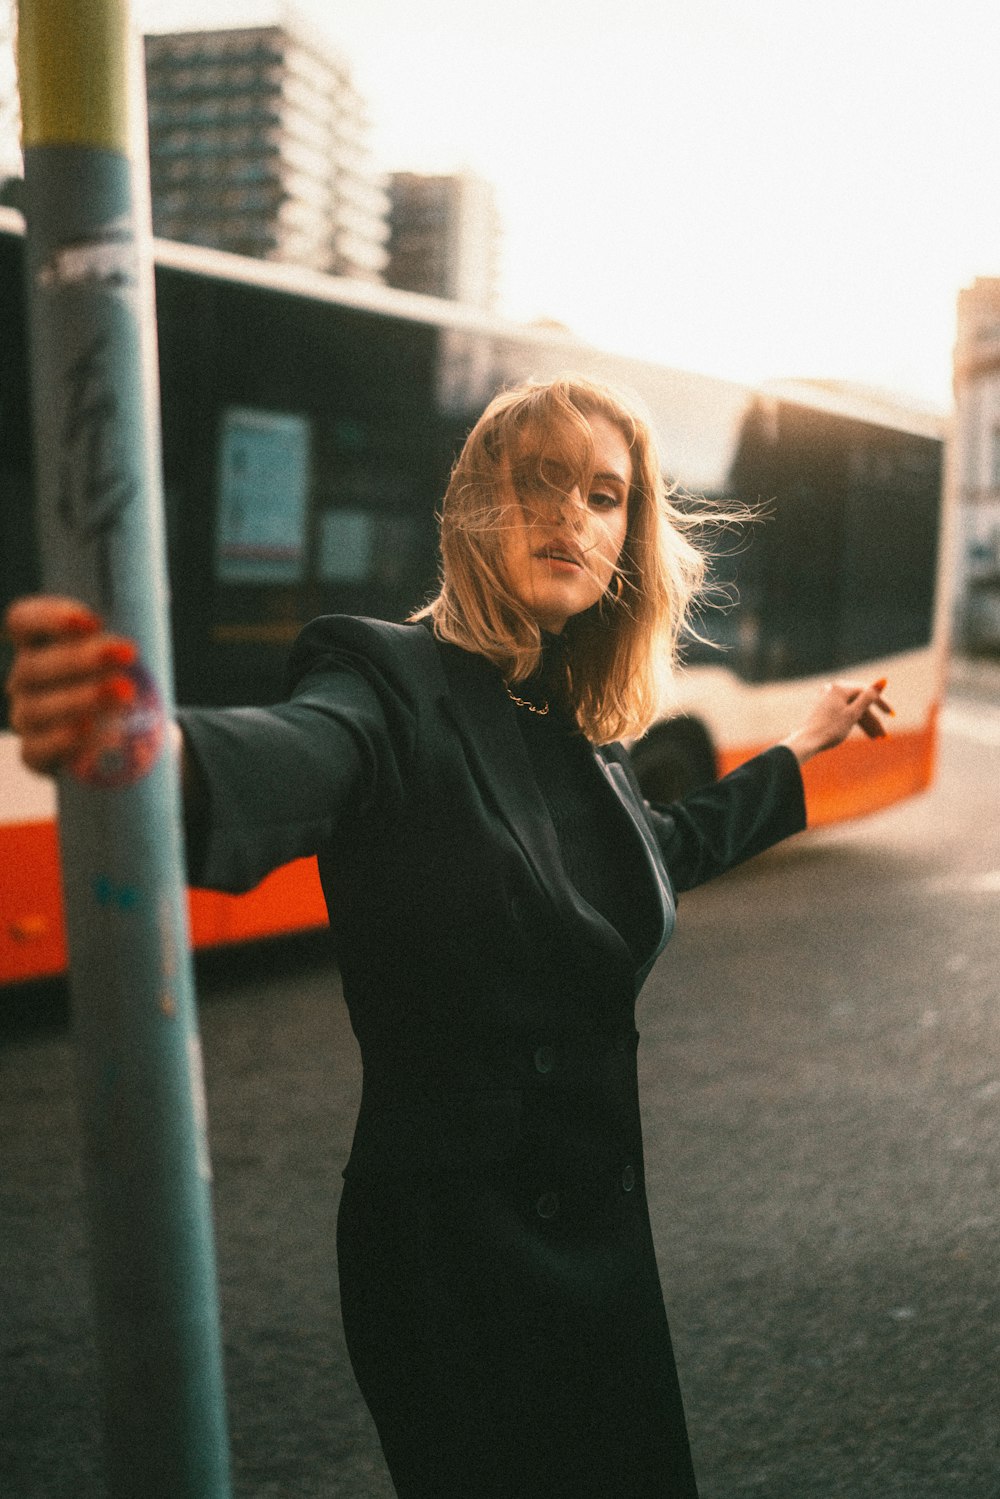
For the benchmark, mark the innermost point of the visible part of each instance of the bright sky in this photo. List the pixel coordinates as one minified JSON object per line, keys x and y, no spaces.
{"x":755,"y":188}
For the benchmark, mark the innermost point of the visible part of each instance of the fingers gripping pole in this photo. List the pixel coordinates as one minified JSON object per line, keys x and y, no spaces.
{"x":99,"y":506}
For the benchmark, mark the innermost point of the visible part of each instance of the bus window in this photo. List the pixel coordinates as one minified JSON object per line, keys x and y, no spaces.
{"x":375,"y":541}
{"x":369,"y":549}
{"x":840,"y":566}
{"x":345,"y":546}
{"x":889,"y":548}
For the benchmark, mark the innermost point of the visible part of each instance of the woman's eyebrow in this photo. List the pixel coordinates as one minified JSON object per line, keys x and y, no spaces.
{"x":610,"y":476}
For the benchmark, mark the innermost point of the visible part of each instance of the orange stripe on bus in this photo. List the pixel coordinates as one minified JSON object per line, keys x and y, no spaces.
{"x":290,"y":899}
{"x":861,"y":775}
{"x":32,"y":931}
{"x":32,"y":938}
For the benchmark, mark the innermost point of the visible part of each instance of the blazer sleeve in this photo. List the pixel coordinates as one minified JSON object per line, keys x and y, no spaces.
{"x":279,"y":783}
{"x":721,"y":825}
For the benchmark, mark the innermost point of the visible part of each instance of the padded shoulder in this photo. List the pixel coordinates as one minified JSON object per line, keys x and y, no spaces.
{"x":404,"y":655}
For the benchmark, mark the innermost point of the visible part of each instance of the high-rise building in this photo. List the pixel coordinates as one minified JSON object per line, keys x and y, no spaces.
{"x":444,"y":237}
{"x":258,"y":143}
{"x":974,"y":465}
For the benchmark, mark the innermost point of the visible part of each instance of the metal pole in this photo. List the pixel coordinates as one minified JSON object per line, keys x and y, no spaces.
{"x":99,"y":493}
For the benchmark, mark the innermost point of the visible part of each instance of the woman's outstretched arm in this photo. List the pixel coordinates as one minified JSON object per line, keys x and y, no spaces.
{"x":761,"y":802}
{"x":262,"y":786}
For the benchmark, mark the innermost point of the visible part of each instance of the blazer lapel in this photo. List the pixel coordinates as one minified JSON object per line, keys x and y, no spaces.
{"x":610,"y":758}
{"x":485,"y":717}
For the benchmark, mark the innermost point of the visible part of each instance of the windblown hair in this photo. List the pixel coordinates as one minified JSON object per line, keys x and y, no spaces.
{"x":620,"y":654}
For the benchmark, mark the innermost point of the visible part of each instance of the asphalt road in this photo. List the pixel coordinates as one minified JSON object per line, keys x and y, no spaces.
{"x":821,"y":1071}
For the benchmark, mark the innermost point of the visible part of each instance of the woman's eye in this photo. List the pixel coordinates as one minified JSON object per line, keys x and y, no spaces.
{"x":605,"y":501}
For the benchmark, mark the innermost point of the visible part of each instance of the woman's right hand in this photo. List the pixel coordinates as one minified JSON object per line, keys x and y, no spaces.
{"x":67,"y":669}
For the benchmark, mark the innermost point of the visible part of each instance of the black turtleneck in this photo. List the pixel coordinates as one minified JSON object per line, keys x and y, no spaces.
{"x":598,"y":861}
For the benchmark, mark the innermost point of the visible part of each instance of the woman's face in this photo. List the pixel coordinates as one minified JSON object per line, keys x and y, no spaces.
{"x":562,"y":553}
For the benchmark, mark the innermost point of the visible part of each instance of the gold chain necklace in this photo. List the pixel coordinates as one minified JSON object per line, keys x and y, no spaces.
{"x":522,"y":702}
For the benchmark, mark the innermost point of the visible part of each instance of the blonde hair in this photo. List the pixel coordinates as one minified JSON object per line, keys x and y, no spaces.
{"x":621,"y":653}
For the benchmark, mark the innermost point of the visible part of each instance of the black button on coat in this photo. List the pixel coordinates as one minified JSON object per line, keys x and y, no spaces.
{"x":498,"y":1279}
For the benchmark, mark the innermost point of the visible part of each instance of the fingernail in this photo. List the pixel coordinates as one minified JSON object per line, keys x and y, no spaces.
{"x":120,"y":653}
{"x":81,"y":624}
{"x":118,"y":690}
{"x":881,"y":684}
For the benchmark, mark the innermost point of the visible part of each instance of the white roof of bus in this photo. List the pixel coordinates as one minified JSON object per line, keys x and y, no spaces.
{"x":865,"y":403}
{"x":698,"y":417}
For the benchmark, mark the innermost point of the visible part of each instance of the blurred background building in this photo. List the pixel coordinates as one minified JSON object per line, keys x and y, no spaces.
{"x":444,"y":237}
{"x":975,"y":465}
{"x":258,"y":144}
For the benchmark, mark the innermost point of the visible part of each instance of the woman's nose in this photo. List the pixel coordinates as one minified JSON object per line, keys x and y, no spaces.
{"x":574,"y":508}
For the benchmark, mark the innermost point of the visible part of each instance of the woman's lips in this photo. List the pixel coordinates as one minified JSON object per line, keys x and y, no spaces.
{"x":560,"y":558}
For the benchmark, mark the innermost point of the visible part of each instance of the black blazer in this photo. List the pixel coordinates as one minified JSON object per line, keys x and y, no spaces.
{"x":465,"y":951}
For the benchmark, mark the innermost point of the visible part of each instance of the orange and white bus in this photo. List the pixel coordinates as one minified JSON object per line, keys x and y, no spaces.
{"x":309,"y":425}
{"x":845,"y":574}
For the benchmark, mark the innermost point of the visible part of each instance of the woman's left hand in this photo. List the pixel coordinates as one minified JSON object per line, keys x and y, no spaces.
{"x":840,"y":707}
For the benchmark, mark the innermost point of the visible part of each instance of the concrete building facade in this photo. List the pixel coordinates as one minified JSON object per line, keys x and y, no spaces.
{"x":444,"y":237}
{"x":259,"y":145}
{"x":974,"y":466}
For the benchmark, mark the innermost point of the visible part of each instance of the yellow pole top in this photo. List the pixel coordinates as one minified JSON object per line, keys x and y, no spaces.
{"x":73,"y":63}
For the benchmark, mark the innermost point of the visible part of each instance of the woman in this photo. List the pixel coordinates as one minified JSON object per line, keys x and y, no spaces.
{"x":499,"y":890}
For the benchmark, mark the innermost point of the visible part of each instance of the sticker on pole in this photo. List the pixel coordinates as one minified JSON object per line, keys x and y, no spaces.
{"x":125,"y":742}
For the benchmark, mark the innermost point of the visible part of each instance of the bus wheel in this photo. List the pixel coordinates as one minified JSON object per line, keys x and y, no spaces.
{"x":673,"y":758}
